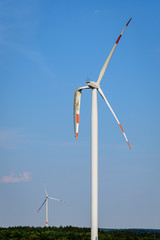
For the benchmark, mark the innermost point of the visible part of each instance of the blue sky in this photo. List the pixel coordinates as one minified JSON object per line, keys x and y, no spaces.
{"x":47,"y":50}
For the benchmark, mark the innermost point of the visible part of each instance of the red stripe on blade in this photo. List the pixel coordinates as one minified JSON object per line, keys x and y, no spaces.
{"x":77,"y":118}
{"x":128,"y":22}
{"x":121,"y":128}
{"x":77,"y":135}
{"x":129,"y":145}
{"x":118,"y":38}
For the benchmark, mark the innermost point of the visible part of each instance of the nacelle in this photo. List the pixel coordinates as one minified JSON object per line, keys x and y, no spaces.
{"x":92,"y":84}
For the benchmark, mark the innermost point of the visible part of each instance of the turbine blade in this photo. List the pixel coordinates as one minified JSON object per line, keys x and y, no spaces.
{"x":56,"y":199}
{"x":45,"y":190}
{"x":102,"y":94}
{"x":76,"y":109}
{"x":41,"y":206}
{"x":78,"y":102}
{"x":110,"y":55}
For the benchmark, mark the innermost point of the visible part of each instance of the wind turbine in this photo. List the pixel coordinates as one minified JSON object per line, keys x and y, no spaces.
{"x":46,"y":202}
{"x":95,"y":86}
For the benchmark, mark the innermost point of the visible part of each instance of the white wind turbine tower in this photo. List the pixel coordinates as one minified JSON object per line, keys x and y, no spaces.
{"x":95,"y":86}
{"x":46,"y":201}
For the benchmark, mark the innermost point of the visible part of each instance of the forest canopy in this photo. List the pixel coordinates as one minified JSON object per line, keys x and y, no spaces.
{"x":74,"y":233}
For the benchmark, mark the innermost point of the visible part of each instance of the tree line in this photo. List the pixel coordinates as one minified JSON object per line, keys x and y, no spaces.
{"x":72,"y":233}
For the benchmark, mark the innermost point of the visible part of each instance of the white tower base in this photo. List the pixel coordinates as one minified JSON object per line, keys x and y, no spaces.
{"x":94,"y":167}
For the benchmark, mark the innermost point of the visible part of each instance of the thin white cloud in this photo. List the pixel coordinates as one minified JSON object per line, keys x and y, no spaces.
{"x":97,"y":11}
{"x":22,"y":19}
{"x":24,"y":177}
{"x":10,"y":139}
{"x":35,"y":56}
{"x":38,"y":59}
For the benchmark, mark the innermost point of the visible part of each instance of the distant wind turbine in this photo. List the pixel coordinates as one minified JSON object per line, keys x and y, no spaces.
{"x":95,"y":86}
{"x":46,"y":202}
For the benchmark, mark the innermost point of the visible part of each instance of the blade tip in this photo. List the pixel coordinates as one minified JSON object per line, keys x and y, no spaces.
{"x":129,"y":146}
{"x":128,"y":21}
{"x":77,"y":136}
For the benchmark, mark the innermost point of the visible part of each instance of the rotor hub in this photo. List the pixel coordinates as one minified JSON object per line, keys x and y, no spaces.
{"x":92,"y":84}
